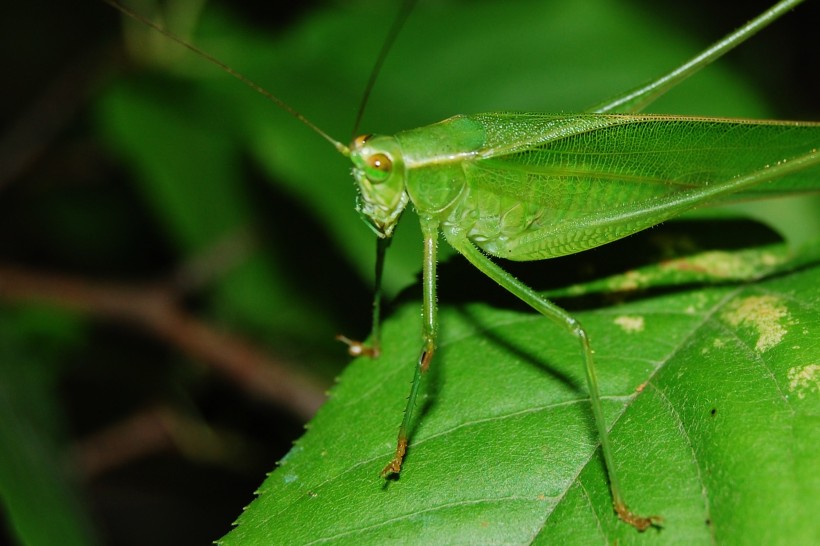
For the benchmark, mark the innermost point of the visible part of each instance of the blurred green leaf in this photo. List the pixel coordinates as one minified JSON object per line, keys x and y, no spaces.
{"x":38,"y":496}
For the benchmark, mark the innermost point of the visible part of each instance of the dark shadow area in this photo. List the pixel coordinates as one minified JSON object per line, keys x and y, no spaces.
{"x":459,"y":282}
{"x":779,"y":64}
{"x":288,"y":230}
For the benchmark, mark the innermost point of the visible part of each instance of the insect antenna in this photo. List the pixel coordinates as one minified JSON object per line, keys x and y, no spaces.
{"x":401,"y":18}
{"x":356,"y":348}
{"x":239,"y":76}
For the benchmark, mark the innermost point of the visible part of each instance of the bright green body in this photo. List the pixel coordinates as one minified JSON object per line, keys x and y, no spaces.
{"x":532,"y":186}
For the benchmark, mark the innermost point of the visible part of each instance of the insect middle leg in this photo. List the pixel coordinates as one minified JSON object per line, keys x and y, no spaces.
{"x":429,"y":228}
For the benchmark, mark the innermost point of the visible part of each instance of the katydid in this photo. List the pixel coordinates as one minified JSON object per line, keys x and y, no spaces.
{"x":531,"y":186}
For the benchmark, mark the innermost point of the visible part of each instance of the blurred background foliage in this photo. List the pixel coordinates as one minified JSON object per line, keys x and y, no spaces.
{"x":176,"y":254}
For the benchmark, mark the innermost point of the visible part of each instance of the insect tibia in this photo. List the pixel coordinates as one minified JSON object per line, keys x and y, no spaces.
{"x":394,"y":466}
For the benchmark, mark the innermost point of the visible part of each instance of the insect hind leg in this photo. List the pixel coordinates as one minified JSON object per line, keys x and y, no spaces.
{"x":558,"y":315}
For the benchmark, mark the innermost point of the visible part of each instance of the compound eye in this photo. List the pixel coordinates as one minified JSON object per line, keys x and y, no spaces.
{"x":380,"y":167}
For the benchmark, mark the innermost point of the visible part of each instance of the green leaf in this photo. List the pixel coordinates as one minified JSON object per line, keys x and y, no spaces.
{"x":711,"y":392}
{"x":37,"y":494}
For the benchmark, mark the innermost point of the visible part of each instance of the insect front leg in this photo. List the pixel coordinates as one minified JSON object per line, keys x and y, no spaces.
{"x":558,"y":315}
{"x":429,"y":228}
{"x":372,"y":349}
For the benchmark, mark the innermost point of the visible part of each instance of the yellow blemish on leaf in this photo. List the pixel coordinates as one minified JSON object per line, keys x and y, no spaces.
{"x":717,"y":343}
{"x":630,"y":324}
{"x":728,"y":265}
{"x":804,"y":380}
{"x":765,"y":314}
{"x":631,"y":280}
{"x":577,"y":290}
{"x":770,"y":259}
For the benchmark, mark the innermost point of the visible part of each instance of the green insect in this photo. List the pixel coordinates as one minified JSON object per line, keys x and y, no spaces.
{"x":523,"y":186}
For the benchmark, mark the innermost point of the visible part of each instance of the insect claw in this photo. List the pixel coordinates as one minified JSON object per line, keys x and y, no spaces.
{"x":358,"y":348}
{"x":638,"y":522}
{"x":394,"y":466}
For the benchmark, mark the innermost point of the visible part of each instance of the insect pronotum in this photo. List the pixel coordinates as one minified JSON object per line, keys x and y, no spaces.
{"x":505,"y":185}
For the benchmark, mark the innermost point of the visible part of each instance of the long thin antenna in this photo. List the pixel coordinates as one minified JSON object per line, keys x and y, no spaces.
{"x":387,"y":45}
{"x":344,"y":150}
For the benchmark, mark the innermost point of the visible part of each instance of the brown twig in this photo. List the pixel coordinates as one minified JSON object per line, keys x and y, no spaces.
{"x":149,"y":431}
{"x":141,"y":434}
{"x":154,"y":309}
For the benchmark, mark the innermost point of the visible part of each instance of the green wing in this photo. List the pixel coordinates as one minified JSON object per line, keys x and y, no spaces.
{"x":547,"y":186}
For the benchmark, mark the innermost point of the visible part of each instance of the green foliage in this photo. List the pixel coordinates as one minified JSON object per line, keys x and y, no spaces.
{"x":33,"y":485}
{"x":504,"y":444}
{"x":710,"y":390}
{"x":504,"y":450}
